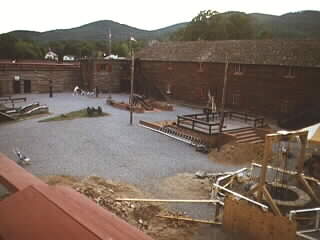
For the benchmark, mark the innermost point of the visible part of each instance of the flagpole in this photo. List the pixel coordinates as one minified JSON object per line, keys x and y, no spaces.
{"x":132,"y":79}
{"x":110,"y":42}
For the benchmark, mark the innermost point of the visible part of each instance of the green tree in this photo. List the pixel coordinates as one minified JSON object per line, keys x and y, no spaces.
{"x":211,"y":25}
{"x":27,"y":50}
{"x":7,"y":46}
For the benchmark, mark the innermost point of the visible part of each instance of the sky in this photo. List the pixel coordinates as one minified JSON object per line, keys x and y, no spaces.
{"x":44,"y":15}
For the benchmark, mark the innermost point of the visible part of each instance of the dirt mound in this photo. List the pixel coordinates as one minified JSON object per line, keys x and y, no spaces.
{"x":185,"y":186}
{"x":238,"y":154}
{"x":143,"y":215}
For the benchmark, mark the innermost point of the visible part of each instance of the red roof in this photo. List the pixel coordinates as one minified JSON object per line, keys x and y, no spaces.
{"x":41,"y":212}
{"x":14,"y":177}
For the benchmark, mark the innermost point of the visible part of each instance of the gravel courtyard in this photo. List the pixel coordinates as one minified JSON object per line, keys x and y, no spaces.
{"x":108,"y":146}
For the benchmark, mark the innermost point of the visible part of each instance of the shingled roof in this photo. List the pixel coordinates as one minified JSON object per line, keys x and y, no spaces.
{"x":269,"y":52}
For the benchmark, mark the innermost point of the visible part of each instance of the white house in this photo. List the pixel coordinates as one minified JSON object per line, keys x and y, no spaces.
{"x":68,"y":58}
{"x":51,"y":56}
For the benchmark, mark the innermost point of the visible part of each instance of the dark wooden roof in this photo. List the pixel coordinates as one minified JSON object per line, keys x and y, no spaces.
{"x":270,"y":52}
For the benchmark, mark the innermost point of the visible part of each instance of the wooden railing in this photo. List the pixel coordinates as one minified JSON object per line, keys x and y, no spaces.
{"x":195,"y":122}
{"x":247,"y":117}
{"x":12,"y":100}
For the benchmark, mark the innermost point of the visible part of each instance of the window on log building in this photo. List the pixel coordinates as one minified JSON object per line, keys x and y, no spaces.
{"x":290,"y":73}
{"x":238,"y":69}
{"x":101,"y":67}
{"x":200,"y":67}
{"x":236,"y":99}
{"x":284,"y":106}
{"x":109,"y":67}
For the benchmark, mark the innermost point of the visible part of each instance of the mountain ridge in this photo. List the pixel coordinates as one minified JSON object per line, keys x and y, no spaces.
{"x":295,"y":25}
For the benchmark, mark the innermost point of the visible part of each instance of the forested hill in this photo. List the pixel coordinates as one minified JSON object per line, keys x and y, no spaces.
{"x":98,"y":31}
{"x":298,"y":25}
{"x":305,"y":24}
{"x":211,"y":25}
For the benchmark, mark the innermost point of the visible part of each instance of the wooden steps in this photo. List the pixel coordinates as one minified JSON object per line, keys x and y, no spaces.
{"x":246,"y":135}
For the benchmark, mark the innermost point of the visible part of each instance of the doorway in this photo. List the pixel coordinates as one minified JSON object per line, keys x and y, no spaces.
{"x":27,"y":86}
{"x":16,"y":87}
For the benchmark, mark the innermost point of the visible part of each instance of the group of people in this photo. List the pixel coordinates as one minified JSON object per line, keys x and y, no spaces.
{"x":77,"y":91}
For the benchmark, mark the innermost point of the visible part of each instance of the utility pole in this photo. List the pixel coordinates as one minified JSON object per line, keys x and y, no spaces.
{"x":110,"y":35}
{"x":132,"y":79}
{"x":50,"y":88}
{"x":225,"y":81}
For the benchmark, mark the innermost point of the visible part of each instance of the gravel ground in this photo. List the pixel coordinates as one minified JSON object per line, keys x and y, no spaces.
{"x":108,"y":146}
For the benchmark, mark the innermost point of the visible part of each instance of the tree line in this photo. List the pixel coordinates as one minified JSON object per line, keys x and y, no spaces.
{"x":14,"y":48}
{"x":212,"y":25}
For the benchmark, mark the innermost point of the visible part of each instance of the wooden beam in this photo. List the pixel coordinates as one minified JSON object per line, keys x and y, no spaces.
{"x":253,"y":190}
{"x":190,"y":219}
{"x":303,"y":141}
{"x":238,"y":195}
{"x":168,"y":200}
{"x":263,"y":173}
{"x":269,"y":199}
{"x":224,"y":93}
{"x":288,"y":172}
{"x":308,"y":188}
{"x":276,"y":137}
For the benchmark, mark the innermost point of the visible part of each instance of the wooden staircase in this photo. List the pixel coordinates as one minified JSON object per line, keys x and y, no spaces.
{"x":245,"y":135}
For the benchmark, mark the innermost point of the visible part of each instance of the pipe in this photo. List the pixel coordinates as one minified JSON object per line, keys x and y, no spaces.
{"x":242,"y":197}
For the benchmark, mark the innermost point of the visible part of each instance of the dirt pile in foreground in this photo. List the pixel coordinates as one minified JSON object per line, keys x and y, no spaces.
{"x":143,"y":215}
{"x":238,"y":154}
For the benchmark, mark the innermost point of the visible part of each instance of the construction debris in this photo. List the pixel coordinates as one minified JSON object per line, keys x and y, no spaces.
{"x":237,"y":154}
{"x":143,"y":215}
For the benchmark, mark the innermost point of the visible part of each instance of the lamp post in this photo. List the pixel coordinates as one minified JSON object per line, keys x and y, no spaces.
{"x":50,"y":88}
{"x":132,"y":80}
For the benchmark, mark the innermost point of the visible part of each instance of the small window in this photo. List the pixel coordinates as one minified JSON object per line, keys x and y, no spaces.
{"x":168,"y":92}
{"x":101,"y":67}
{"x":284,"y":106}
{"x":236,"y":99}
{"x":238,"y":69}
{"x":109,"y":67}
{"x":200,"y":67}
{"x":290,"y":73}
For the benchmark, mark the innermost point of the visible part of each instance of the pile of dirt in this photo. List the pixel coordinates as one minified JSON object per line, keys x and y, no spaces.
{"x":143,"y":215}
{"x":238,"y":154}
{"x":185,"y":186}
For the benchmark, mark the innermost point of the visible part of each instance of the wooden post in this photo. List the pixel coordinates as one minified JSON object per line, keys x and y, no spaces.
{"x":269,"y":199}
{"x":110,"y":46}
{"x":224,"y":94}
{"x":132,"y":79}
{"x":308,"y":188}
{"x":267,"y":149}
{"x":303,"y":140}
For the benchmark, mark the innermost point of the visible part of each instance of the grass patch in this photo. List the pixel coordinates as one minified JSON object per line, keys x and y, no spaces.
{"x":73,"y":115}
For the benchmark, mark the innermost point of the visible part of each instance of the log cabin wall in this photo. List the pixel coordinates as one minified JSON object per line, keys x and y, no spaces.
{"x":35,"y":77}
{"x":264,"y":89}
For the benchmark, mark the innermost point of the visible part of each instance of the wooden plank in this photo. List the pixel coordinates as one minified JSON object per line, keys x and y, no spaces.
{"x":273,"y":205}
{"x":263,"y":173}
{"x":190,"y":219}
{"x":283,"y":227}
{"x":168,"y":200}
{"x":228,"y":214}
{"x":308,"y":188}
